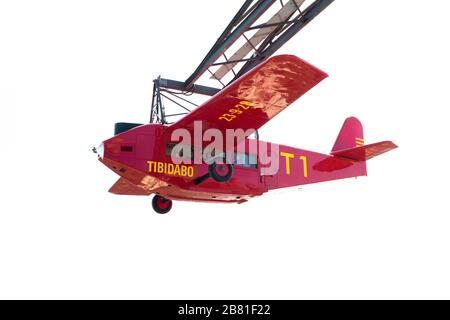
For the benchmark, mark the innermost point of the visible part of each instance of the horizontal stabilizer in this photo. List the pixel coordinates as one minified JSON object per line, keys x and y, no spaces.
{"x":367,"y":152}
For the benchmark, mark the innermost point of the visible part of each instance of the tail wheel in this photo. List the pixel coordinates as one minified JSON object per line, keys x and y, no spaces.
{"x":161,"y":205}
{"x":220,"y":172}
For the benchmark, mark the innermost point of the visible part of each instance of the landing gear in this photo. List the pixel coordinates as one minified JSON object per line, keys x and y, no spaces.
{"x":161,"y":205}
{"x":220,"y":172}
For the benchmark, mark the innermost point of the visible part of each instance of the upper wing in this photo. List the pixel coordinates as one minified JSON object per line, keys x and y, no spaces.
{"x":256,"y":97}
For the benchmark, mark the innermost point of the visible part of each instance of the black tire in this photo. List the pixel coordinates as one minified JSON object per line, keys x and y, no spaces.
{"x":121,"y":127}
{"x":161,"y":205}
{"x":220,"y":172}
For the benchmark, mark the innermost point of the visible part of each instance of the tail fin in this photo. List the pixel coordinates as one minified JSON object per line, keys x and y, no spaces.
{"x":350,"y":136}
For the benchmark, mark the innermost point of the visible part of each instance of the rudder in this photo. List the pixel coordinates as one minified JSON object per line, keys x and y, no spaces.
{"x":350,"y":136}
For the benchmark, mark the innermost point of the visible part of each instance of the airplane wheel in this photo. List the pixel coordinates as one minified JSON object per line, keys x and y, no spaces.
{"x":161,"y":205}
{"x":220,"y":172}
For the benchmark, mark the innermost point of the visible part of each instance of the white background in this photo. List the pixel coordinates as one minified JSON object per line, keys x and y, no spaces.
{"x":70,"y":69}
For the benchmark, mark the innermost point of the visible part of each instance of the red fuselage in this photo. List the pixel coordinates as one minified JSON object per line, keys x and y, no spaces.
{"x":141,"y":157}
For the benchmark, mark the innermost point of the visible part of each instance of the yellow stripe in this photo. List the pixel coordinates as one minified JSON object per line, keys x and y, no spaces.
{"x":359,"y":139}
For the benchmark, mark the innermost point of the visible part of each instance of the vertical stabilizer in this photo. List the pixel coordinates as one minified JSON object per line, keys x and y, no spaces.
{"x":350,"y":136}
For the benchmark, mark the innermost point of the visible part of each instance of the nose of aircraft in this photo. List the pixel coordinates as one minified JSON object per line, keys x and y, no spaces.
{"x":99,"y":150}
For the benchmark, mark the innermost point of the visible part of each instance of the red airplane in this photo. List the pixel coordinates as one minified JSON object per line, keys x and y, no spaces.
{"x":143,"y":157}
{"x":151,"y":159}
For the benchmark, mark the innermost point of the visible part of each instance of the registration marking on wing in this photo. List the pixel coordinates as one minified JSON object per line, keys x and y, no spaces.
{"x":236,"y":111}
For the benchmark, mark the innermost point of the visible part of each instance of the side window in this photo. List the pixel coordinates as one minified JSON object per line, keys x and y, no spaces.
{"x":188,"y":156}
{"x":240,"y":159}
{"x":245,"y":160}
{"x":169,"y":148}
{"x":252,"y":161}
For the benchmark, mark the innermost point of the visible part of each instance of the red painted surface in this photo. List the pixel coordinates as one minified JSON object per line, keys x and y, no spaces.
{"x":364,"y":153}
{"x":139,"y":156}
{"x":271,"y":87}
{"x":351,"y":131}
{"x":245,"y":183}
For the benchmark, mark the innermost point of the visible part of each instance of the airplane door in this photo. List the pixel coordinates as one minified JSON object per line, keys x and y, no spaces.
{"x":270,"y":181}
{"x":246,"y":170}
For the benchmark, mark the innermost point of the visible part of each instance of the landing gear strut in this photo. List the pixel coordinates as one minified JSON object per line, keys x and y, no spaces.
{"x":161,"y":205}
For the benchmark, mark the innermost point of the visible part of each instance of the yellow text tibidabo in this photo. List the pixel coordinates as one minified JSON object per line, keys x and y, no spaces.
{"x":170,"y":168}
